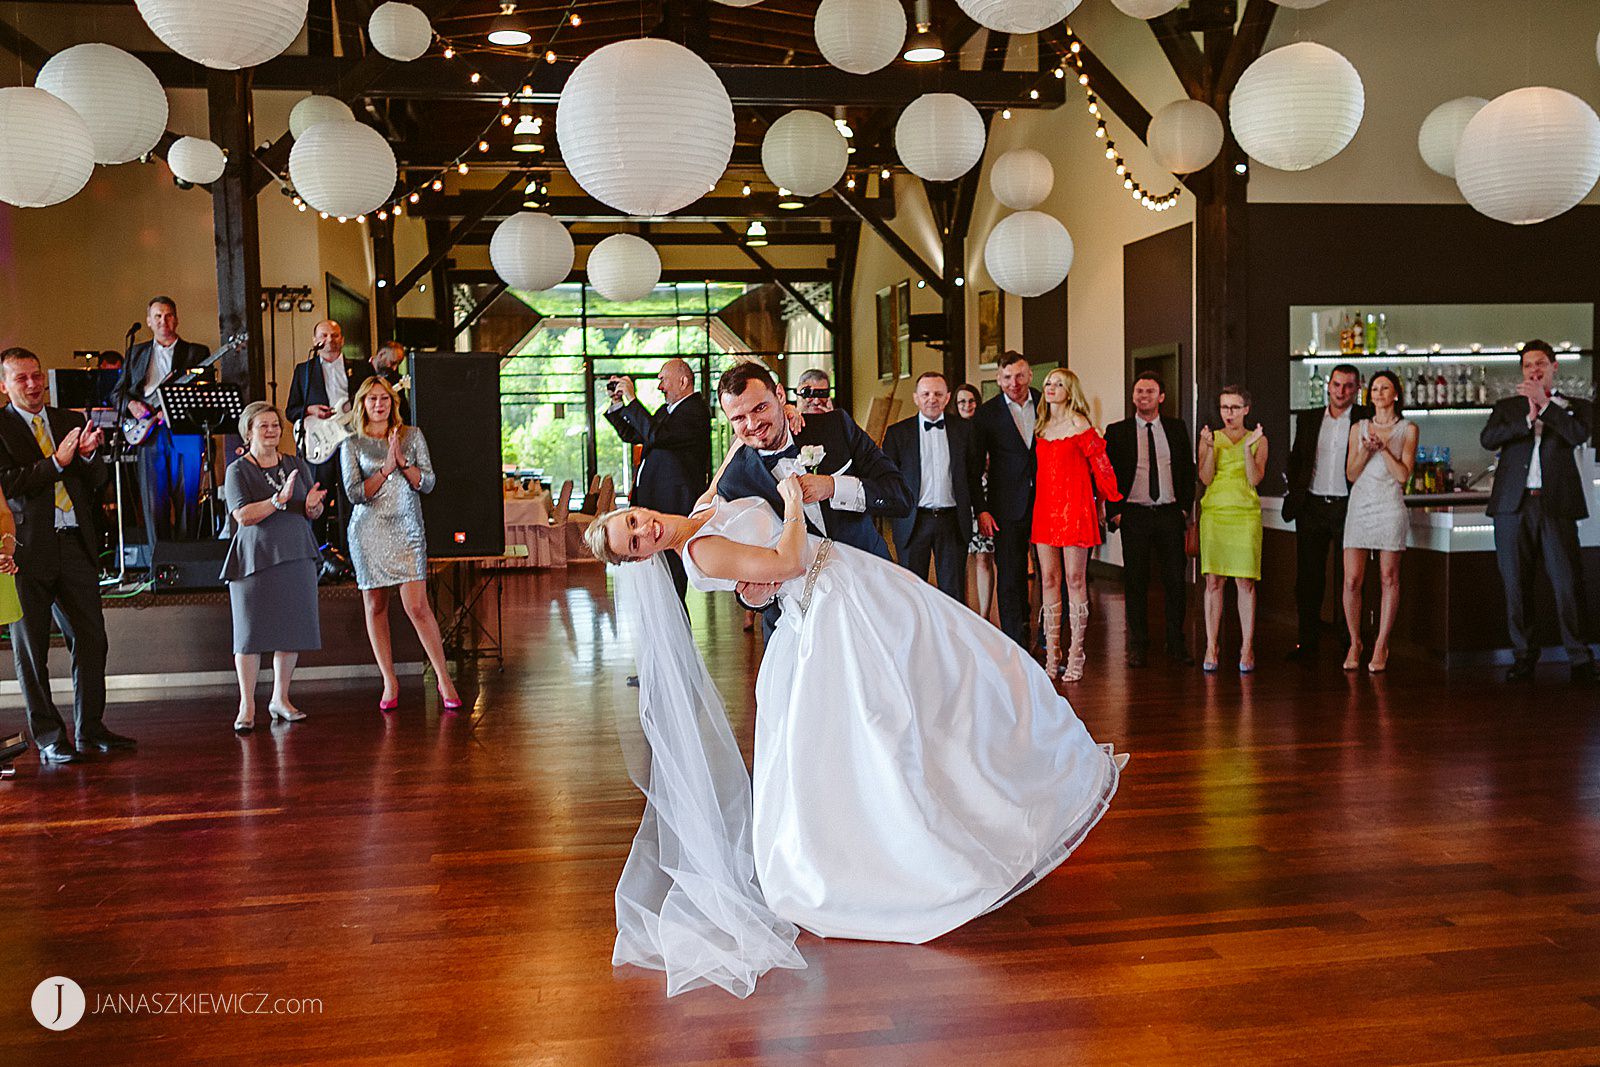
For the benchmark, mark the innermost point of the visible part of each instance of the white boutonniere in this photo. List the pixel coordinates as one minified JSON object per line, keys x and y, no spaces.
{"x":810,"y":458}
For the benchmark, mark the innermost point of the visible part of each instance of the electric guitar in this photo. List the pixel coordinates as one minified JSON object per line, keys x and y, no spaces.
{"x":322,"y":437}
{"x":135,"y":428}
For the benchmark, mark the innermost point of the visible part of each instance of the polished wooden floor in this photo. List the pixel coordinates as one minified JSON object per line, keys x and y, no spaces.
{"x":1302,"y":866}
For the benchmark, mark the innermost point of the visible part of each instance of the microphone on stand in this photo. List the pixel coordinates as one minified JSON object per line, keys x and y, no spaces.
{"x":133,"y":330}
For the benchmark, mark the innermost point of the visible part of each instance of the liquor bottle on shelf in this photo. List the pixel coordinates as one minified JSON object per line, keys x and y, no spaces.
{"x":1464,"y":390}
{"x":1358,"y":336}
{"x":1441,"y":389}
{"x":1483,"y":386}
{"x":1422,"y":391}
{"x":1344,"y":335}
{"x":1372,"y":333}
{"x":1447,"y":474}
{"x":1316,"y":389}
{"x":1383,"y":332}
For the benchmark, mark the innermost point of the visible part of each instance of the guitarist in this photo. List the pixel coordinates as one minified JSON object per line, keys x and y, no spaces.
{"x":321,"y":389}
{"x":169,"y":463}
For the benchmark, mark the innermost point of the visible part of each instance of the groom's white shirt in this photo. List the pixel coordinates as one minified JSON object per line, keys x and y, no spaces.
{"x":848,"y":492}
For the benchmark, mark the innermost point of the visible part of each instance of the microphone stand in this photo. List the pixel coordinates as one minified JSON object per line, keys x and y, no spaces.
{"x":118,"y":453}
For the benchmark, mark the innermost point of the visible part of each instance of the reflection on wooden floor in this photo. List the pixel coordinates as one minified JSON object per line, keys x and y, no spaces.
{"x":1302,"y":866}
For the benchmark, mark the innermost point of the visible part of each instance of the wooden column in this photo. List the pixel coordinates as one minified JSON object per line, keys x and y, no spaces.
{"x":438,"y":231}
{"x":238,"y":236}
{"x":847,"y":242}
{"x":1222,"y":246}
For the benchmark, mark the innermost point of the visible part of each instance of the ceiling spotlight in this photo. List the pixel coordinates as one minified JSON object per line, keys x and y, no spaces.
{"x":788,"y":201}
{"x":842,"y":122}
{"x":306,"y":305}
{"x":755,"y":235}
{"x":924,"y":45}
{"x":508,"y":30}
{"x":284,"y":304}
{"x":525,"y":138}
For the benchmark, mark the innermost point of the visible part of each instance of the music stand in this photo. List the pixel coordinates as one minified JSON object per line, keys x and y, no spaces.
{"x":201,"y":408}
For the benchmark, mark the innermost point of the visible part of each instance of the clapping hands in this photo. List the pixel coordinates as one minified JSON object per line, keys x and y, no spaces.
{"x":397,"y":457}
{"x":1256,"y":435}
{"x":315,"y":497}
{"x":286,"y":494}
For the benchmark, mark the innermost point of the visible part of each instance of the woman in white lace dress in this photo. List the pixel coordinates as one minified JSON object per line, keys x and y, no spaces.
{"x":1378,"y":463}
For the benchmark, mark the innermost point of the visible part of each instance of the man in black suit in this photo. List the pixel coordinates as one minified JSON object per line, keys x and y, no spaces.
{"x":53,"y":485}
{"x":1318,"y":497}
{"x":938,"y":457}
{"x":853,"y":481}
{"x":1004,"y":427}
{"x":1154,"y":462}
{"x":1537,"y":501}
{"x":677,"y":445}
{"x":169,"y":464}
{"x":322,"y":388}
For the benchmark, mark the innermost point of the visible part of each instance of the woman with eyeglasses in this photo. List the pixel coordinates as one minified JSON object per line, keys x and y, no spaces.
{"x":1231,"y":463}
{"x":980,"y":548}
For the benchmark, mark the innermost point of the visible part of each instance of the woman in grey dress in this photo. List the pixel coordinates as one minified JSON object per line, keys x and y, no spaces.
{"x":386,"y":470}
{"x":271,"y":566}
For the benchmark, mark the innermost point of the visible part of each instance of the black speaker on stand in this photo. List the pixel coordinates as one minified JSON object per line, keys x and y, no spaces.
{"x":455,"y":397}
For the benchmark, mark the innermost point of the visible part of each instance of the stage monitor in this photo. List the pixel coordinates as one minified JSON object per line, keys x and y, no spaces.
{"x":455,"y":399}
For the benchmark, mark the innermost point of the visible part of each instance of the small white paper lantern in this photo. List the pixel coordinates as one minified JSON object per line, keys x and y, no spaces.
{"x":1185,"y":136}
{"x":400,"y":32}
{"x":1300,"y":5}
{"x":343,"y":168}
{"x":314,"y":109}
{"x":1297,"y":106}
{"x":939,"y":136}
{"x":1145,"y":9}
{"x":1529,"y":155}
{"x":804,"y":152}
{"x":531,"y":251}
{"x":624,"y":268}
{"x":1441,"y":132}
{"x":1021,"y":179}
{"x":1028,"y":253}
{"x":1018,"y":16}
{"x":196,"y":160}
{"x":46,"y":150}
{"x":645,"y":126}
{"x":225,"y":34}
{"x":860,"y":36}
{"x":118,"y":97}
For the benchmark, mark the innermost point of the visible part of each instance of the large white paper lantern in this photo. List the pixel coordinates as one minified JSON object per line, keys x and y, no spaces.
{"x":343,"y":168}
{"x":1441,"y":132}
{"x":531,"y":251}
{"x":939,"y":136}
{"x":1028,"y":253}
{"x":1145,"y":9}
{"x":645,"y":126}
{"x":196,"y":160}
{"x":46,"y":150}
{"x":804,"y":152}
{"x":1018,"y":16}
{"x":225,"y":34}
{"x":860,"y":36}
{"x":624,"y":268}
{"x":1529,"y":155}
{"x":400,"y":32}
{"x":1185,"y":136}
{"x":314,"y":109}
{"x":1021,"y":179}
{"x":1300,"y":4}
{"x":118,"y":97}
{"x":739,"y":3}
{"x":1297,"y":106}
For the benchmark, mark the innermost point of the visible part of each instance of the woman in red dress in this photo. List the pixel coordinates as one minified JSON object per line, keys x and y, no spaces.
{"x":1074,"y":477}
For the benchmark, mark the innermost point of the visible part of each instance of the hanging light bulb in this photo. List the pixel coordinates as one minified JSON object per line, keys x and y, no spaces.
{"x":449,"y":51}
{"x":924,"y":45}
{"x":462,"y":168}
{"x":508,"y":31}
{"x":755,"y":235}
{"x":525,"y":138}
{"x":438,"y":186}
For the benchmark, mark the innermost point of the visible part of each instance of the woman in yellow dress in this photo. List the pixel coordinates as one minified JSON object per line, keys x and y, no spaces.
{"x":10,"y":606}
{"x":1231,"y":463}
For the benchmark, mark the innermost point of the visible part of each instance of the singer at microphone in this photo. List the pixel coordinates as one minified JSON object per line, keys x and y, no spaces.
{"x":321,"y":388}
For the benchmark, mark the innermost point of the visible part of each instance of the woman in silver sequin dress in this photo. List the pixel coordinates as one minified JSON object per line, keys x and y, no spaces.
{"x":386,"y":470}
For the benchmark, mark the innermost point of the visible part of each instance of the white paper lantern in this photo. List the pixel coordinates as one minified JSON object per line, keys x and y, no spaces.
{"x":739,"y":3}
{"x":804,"y":152}
{"x":1018,"y":16}
{"x":1300,"y":5}
{"x":1028,"y":253}
{"x":1529,"y":155}
{"x":624,"y":268}
{"x":1021,"y":179}
{"x":400,"y":32}
{"x":1441,"y":132}
{"x":225,"y":34}
{"x":314,"y":109}
{"x":46,"y":150}
{"x":196,"y":160}
{"x":1185,"y":136}
{"x":645,"y":126}
{"x":118,"y":97}
{"x":939,"y":136}
{"x":860,"y":36}
{"x":1145,"y":9}
{"x":343,"y":168}
{"x":531,"y":251}
{"x":1297,"y":106}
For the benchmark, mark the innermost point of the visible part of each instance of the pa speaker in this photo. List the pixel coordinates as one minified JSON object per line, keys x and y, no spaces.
{"x":188,"y":564}
{"x":455,"y":398}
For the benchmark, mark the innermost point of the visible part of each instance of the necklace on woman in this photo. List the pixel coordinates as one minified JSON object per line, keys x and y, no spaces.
{"x":273,"y":474}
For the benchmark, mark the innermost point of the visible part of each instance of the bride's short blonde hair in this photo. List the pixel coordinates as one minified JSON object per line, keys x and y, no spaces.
{"x":599,"y":543}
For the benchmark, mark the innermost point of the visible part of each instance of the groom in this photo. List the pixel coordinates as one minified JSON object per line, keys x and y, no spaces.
{"x":853,"y":481}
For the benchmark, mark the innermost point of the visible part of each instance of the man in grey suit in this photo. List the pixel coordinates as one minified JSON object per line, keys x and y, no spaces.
{"x":1537,"y":501}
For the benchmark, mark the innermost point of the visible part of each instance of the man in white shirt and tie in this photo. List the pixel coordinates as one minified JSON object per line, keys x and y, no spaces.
{"x":937,"y":455}
{"x":1004,"y":426}
{"x":321,"y":389}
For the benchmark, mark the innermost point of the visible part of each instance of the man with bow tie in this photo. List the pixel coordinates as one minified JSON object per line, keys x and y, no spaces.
{"x":1537,"y":501}
{"x":939,"y":459}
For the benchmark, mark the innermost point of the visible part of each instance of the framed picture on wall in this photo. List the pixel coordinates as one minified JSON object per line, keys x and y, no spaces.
{"x":352,"y":312}
{"x":991,"y":328}
{"x":902,"y":294}
{"x":888,"y":333}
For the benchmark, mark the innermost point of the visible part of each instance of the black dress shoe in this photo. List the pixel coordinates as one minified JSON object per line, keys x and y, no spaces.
{"x":1521,"y":670}
{"x":1180,"y":656}
{"x":60,"y":752}
{"x":106,"y":741}
{"x":1301,"y":653}
{"x":1137,"y":657}
{"x":633,"y":681}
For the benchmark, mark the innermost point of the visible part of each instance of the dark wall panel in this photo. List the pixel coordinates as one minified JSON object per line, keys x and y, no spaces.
{"x":1158,"y":304}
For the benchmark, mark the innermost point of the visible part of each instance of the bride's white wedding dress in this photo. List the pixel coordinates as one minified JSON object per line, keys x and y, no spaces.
{"x":913,"y":767}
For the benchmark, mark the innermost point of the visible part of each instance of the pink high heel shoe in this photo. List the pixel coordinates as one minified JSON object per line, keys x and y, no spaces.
{"x":449,"y":705}
{"x":388,"y":705}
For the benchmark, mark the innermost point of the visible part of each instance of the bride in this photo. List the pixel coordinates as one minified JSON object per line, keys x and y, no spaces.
{"x":913,"y":767}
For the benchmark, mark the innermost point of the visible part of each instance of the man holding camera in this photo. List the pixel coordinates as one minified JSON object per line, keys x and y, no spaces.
{"x":676,"y":464}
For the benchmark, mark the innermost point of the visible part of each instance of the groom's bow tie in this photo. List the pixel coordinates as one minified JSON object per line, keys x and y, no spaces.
{"x":770,"y":459}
